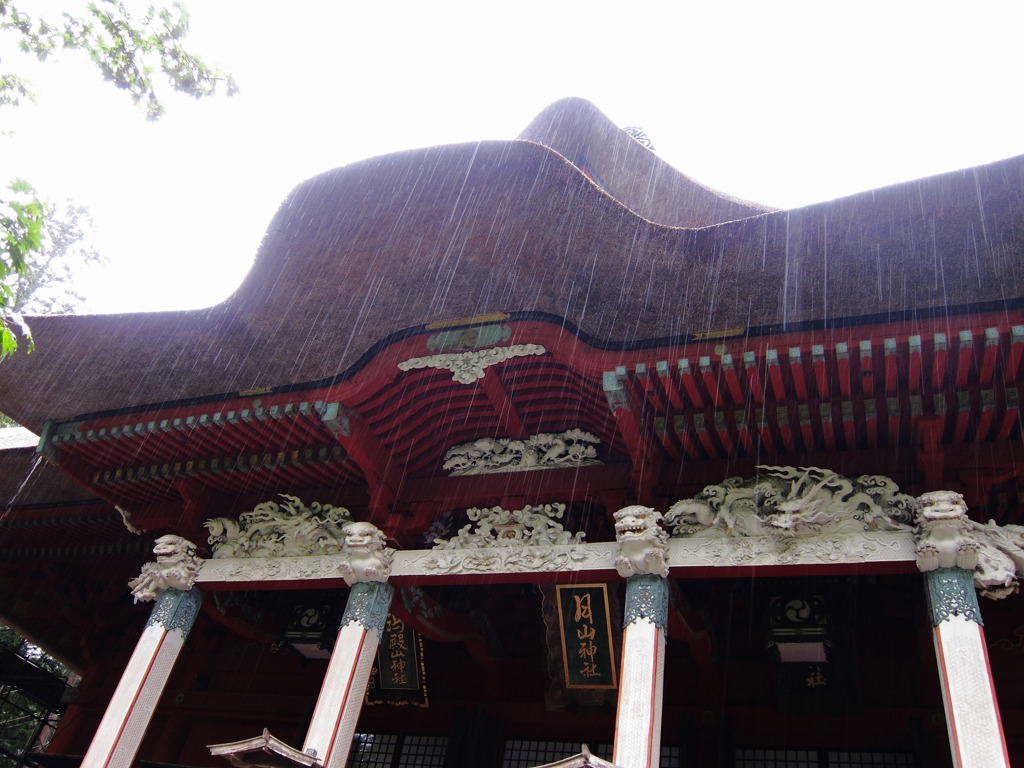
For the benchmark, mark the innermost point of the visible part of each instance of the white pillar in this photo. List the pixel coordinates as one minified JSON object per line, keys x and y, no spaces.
{"x":968,"y":694}
{"x":642,"y":680}
{"x":128,"y":714}
{"x":330,"y":733}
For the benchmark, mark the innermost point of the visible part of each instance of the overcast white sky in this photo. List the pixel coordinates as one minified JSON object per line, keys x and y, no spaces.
{"x":781,"y":103}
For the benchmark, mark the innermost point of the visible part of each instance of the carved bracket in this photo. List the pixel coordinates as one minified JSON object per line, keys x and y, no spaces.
{"x":572,"y":448}
{"x":467,"y":367}
{"x":531,"y":526}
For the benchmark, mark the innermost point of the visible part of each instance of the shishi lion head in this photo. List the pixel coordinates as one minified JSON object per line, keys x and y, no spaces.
{"x":176,"y":567}
{"x":367,"y":557}
{"x":642,"y":542}
{"x":170,"y":550}
{"x":637,"y":523}
{"x":942,"y":505}
{"x":363,"y":538}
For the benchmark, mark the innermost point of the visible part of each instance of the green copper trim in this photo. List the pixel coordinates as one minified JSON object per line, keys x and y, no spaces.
{"x":646,"y":598}
{"x":950,"y":593}
{"x":368,"y":605}
{"x":175,"y":609}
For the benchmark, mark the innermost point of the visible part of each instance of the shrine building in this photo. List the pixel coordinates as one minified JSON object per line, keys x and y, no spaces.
{"x":536,"y":452}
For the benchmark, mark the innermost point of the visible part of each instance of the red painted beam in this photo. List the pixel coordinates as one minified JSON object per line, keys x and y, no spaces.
{"x":964,"y":358}
{"x":785,"y":432}
{"x":891,"y":366}
{"x":655,"y":393}
{"x":916,"y":414}
{"x":732,"y":380}
{"x":939,"y":353}
{"x":963,"y":416}
{"x":722,"y":429}
{"x":871,"y":423}
{"x":668,"y":386}
{"x":355,"y":436}
{"x":796,"y":368}
{"x":685,"y":435}
{"x":699,"y":424}
{"x":806,"y":428}
{"x":988,"y":412}
{"x":710,"y":382}
{"x":508,"y":416}
{"x":1015,"y":355}
{"x":914,"y":364}
{"x":665,"y":438}
{"x":820,"y":373}
{"x":753,"y":378}
{"x":690,"y":384}
{"x":743,"y":432}
{"x":843,"y":368}
{"x":828,"y":431}
{"x":765,"y":433}
{"x":892,"y":419}
{"x":867,"y":371}
{"x":989,"y":356}
{"x":775,"y":375}
{"x":640,"y":452}
{"x":1011,"y":415}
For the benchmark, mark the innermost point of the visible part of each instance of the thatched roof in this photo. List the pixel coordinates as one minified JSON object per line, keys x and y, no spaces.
{"x":366,"y":251}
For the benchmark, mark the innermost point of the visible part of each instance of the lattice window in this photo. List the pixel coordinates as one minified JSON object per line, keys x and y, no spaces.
{"x":372,"y":750}
{"x":777,"y":758}
{"x":526,"y":753}
{"x":423,"y":752}
{"x":870,"y":760}
{"x":802,"y":758}
{"x":389,"y":750}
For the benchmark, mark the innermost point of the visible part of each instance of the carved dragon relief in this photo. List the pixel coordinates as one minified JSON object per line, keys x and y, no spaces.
{"x":787,"y":502}
{"x":288,"y":529}
{"x":292,"y":530}
{"x":467,"y":367}
{"x":789,"y":514}
{"x":573,"y":448}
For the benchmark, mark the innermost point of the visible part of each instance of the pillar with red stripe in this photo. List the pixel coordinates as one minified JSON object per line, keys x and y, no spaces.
{"x":638,"y":715}
{"x":127,"y":716}
{"x":968,"y":694}
{"x":330,"y":733}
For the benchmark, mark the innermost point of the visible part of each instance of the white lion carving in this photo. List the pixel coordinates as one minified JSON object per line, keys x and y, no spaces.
{"x":945,"y":539}
{"x":368,"y":558}
{"x":176,"y":567}
{"x":642,"y":542}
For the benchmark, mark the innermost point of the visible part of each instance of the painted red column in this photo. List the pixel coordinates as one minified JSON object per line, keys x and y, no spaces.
{"x":128,"y":714}
{"x":641,"y":686}
{"x":976,"y":737}
{"x":330,"y":734}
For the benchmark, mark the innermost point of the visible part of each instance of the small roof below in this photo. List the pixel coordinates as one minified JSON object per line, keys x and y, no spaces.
{"x":583,"y":760}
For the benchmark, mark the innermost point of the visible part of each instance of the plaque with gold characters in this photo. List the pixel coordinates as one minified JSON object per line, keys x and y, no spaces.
{"x":588,"y":660}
